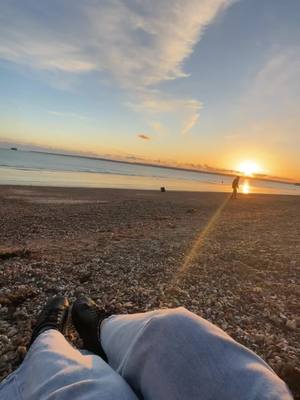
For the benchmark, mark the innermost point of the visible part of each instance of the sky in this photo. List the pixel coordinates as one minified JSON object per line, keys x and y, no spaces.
{"x":209,"y":83}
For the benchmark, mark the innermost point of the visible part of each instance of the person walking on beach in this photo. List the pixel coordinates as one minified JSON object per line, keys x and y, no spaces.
{"x":235,"y":186}
{"x":169,"y":354}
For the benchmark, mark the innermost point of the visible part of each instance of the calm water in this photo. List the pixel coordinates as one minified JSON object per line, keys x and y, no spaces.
{"x":30,"y":168}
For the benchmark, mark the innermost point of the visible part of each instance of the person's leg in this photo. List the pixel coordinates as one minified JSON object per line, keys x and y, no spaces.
{"x":174,"y":354}
{"x":53,"y":369}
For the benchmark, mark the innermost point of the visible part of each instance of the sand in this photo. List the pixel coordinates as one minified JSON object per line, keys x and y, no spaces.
{"x":235,"y":262}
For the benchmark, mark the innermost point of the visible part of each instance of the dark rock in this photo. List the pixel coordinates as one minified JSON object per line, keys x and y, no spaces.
{"x":7,"y":254}
{"x":85,"y":277}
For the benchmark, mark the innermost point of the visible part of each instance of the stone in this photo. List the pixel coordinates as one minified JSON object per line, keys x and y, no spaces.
{"x":20,"y":314}
{"x":259,"y":338}
{"x":21,"y":350}
{"x":291,"y":324}
{"x":12,"y":332}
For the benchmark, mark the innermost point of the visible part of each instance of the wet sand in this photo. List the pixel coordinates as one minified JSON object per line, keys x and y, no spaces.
{"x":135,"y":251}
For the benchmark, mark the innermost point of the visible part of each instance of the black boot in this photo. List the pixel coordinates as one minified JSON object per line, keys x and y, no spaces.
{"x":53,"y":316}
{"x":87,"y":317}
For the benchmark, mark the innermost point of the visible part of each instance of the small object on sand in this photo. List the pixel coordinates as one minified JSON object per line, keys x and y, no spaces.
{"x":85,"y":277}
{"x":191,"y":210}
{"x":21,"y":350}
{"x":162,"y":189}
{"x":10,"y":253}
{"x":291,"y":324}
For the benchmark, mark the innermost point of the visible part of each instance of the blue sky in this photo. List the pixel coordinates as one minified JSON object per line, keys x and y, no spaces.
{"x":211,"y":82}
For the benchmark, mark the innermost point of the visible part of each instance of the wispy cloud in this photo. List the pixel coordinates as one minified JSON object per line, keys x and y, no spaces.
{"x":269,"y":108}
{"x":143,"y":136}
{"x":67,"y":114}
{"x":155,"y":103}
{"x":276,"y":85}
{"x":191,"y":121}
{"x":136,"y":44}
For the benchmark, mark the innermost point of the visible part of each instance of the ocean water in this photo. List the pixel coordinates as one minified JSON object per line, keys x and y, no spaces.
{"x":41,"y":169}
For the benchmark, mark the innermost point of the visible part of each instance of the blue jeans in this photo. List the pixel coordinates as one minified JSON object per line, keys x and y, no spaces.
{"x":158,"y":355}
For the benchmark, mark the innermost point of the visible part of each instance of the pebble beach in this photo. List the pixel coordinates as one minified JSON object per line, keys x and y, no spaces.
{"x":233,"y":262}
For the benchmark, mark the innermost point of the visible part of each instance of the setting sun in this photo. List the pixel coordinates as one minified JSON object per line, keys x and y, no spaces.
{"x":249,"y":168}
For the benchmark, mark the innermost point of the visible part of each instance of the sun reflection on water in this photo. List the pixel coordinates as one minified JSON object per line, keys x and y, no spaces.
{"x":246,"y":187}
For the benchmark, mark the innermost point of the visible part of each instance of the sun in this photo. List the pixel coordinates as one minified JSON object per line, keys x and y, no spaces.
{"x":249,"y":168}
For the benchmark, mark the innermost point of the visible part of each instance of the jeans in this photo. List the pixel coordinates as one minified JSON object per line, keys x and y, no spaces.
{"x":158,"y":355}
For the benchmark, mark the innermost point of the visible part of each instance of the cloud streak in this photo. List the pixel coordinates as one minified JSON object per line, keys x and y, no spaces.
{"x":67,"y":115}
{"x":278,"y":79}
{"x":138,"y":45}
{"x":273,"y":95}
{"x":143,"y":136}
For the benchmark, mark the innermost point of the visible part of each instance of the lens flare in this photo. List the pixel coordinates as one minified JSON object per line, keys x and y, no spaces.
{"x":199,"y":242}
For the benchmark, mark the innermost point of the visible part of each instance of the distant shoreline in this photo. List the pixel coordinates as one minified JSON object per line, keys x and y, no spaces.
{"x":93,"y":189}
{"x":164,"y":166}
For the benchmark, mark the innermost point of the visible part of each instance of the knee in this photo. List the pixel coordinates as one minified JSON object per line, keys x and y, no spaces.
{"x":167,"y":321}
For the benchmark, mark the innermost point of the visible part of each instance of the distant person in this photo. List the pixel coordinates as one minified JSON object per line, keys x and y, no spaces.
{"x":235,"y":186}
{"x":169,"y":354}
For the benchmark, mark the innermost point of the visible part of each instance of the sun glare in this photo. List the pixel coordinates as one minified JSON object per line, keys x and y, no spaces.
{"x":246,"y":187}
{"x":248,"y":168}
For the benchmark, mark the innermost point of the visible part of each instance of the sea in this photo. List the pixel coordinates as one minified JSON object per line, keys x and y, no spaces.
{"x":44,"y":169}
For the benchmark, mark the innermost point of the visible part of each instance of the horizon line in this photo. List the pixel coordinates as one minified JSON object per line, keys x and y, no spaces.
{"x":261,"y":177}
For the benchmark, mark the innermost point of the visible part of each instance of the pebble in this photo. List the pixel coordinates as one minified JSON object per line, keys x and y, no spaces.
{"x":22,"y":350}
{"x":291,"y":324}
{"x":20,"y":314}
{"x":259,"y":337}
{"x":12,"y":332}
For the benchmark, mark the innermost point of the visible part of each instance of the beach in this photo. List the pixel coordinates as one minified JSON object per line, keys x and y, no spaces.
{"x":31,"y":168}
{"x":233,"y":262}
